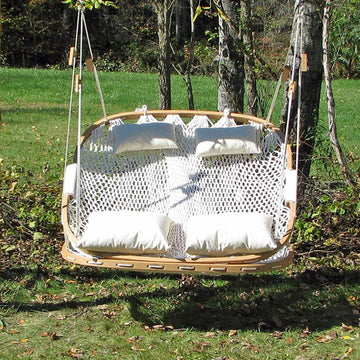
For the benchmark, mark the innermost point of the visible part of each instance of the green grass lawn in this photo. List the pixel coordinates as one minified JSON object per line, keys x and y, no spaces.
{"x":50,"y":309}
{"x":34,"y":106}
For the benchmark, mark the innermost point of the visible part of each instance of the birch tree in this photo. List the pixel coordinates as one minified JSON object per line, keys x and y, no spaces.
{"x":311,"y":45}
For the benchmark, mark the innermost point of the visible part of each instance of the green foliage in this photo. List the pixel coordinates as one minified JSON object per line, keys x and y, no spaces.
{"x":29,"y":30}
{"x":89,"y":4}
{"x":29,"y":213}
{"x":328,"y":224}
{"x":345,"y":38}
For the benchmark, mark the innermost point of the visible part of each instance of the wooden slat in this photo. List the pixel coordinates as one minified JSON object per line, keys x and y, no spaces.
{"x":71,"y":56}
{"x":178,"y":266}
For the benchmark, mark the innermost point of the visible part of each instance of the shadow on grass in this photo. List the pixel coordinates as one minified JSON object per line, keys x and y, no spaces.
{"x":265,"y":302}
{"x":318,"y":299}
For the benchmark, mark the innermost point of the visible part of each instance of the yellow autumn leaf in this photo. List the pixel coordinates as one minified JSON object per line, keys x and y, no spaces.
{"x":222,"y":14}
{"x":197,"y":12}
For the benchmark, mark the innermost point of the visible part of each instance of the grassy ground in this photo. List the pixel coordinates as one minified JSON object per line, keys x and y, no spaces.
{"x":50,"y":309}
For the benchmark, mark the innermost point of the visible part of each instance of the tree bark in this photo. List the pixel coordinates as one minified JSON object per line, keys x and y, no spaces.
{"x":311,"y":82}
{"x":249,"y":62}
{"x":330,"y":97}
{"x":163,"y":10}
{"x":231,"y":73}
{"x":190,"y":59}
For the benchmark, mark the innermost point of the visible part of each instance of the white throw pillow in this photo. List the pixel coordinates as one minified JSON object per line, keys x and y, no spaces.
{"x":146,"y":136}
{"x":130,"y":232}
{"x":229,"y":234}
{"x":227,"y":140}
{"x":69,"y":184}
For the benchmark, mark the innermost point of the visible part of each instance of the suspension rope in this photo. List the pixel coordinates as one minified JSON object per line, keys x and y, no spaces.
{"x":302,"y":67}
{"x":95,"y":71}
{"x":76,"y":85}
{"x":81,"y":9}
{"x":291,"y":93}
{"x":72,"y":61}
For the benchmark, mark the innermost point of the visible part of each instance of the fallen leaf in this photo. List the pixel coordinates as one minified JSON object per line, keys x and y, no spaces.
{"x":304,"y":346}
{"x":232,"y":333}
{"x":109,"y":314}
{"x":22,"y":322}
{"x":54,"y":336}
{"x":277,"y":334}
{"x":134,"y":338}
{"x":201,"y":345}
{"x":347,"y":328}
{"x":249,"y":346}
{"x":159,"y":327}
{"x":348,"y":352}
{"x":305,"y":332}
{"x":28,"y":352}
{"x":210,"y":334}
{"x":324,"y":339}
{"x":74,"y":353}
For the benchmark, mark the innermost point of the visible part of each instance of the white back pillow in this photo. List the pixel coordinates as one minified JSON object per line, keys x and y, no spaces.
{"x":145,"y":136}
{"x":227,"y":140}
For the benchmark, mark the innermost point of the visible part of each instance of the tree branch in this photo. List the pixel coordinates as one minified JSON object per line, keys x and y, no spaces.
{"x":330,"y":97}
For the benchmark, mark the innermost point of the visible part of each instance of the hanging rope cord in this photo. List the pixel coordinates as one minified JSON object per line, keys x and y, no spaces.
{"x":298,"y":48}
{"x":80,"y":27}
{"x":72,"y":91}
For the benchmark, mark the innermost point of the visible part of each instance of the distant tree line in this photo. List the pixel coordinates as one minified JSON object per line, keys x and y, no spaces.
{"x":38,"y":33}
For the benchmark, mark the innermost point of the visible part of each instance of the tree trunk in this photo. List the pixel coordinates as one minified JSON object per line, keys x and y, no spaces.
{"x":249,"y":62}
{"x":311,"y":82}
{"x":190,"y":59}
{"x":163,"y":10}
{"x":181,"y":10}
{"x":231,"y":74}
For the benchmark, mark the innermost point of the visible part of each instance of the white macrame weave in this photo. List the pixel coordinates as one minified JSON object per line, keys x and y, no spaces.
{"x":178,"y":184}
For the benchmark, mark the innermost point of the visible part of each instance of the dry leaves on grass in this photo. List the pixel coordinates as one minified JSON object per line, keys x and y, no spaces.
{"x":74,"y":353}
{"x":51,"y":335}
{"x":201,"y":346}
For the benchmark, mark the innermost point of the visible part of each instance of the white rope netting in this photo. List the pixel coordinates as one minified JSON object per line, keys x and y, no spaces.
{"x":178,"y":184}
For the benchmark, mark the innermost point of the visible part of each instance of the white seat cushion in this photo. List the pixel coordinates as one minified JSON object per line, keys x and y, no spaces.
{"x":145,"y":136}
{"x":129,"y":232}
{"x":227,"y":140}
{"x":229,"y":234}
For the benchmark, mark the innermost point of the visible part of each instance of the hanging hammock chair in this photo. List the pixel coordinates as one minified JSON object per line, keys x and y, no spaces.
{"x":177,"y":191}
